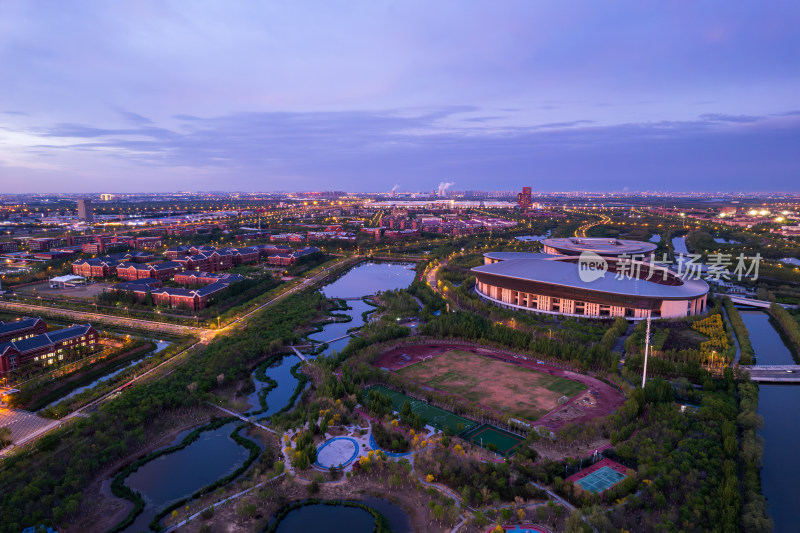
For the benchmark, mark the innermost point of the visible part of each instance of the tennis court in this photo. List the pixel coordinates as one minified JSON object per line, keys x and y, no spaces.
{"x":431,"y":415}
{"x":600,"y":480}
{"x":486,"y":434}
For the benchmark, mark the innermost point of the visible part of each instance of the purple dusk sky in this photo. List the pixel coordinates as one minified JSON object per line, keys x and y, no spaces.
{"x":99,"y":96}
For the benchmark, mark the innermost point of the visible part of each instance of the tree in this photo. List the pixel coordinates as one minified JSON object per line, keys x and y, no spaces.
{"x":5,"y":437}
{"x":575,"y":524}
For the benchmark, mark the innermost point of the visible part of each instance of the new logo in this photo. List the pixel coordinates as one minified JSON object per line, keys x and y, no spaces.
{"x":591,"y":267}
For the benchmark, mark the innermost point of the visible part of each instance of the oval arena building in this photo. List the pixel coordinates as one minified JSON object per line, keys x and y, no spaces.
{"x":601,"y":246}
{"x":554,"y":284}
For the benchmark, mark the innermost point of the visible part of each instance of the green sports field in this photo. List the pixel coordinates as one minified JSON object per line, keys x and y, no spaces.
{"x":486,"y":434}
{"x":431,"y":415}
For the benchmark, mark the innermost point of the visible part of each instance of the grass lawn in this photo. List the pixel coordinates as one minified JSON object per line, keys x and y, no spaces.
{"x":506,"y":387}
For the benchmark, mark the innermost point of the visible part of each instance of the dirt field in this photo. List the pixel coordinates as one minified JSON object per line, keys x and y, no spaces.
{"x":512,"y":389}
{"x":599,"y":400}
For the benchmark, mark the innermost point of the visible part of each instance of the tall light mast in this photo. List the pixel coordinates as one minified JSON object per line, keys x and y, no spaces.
{"x":646,"y":349}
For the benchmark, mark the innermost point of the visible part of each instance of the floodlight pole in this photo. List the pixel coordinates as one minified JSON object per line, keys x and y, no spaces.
{"x":646,"y":349}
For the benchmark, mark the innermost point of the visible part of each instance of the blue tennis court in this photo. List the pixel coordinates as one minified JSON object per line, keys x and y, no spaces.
{"x":600,"y":480}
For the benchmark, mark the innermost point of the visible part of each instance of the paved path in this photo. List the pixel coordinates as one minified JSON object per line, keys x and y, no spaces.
{"x":554,"y":496}
{"x":243,"y":418}
{"x":221,"y":502}
{"x":297,"y":352}
{"x":733,"y":334}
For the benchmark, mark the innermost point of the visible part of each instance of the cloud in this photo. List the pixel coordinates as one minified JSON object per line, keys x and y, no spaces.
{"x":719,"y":117}
{"x":371,"y":150}
{"x":134,"y":118}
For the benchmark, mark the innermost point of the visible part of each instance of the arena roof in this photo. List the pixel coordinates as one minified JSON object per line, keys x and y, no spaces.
{"x":600,"y":246}
{"x":558,"y":271}
{"x":505,"y":256}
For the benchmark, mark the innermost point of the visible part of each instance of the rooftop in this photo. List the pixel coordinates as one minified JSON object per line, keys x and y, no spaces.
{"x":556,"y":270}
{"x":600,"y":246}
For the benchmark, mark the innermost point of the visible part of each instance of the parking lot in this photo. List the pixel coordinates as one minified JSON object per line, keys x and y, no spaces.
{"x":83,"y":292}
{"x":21,"y":423}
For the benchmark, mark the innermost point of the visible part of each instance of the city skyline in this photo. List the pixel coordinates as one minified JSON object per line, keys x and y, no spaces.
{"x":369,"y":96}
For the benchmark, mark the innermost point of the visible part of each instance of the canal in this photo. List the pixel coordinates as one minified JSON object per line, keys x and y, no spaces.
{"x":160,"y":345}
{"x":781,"y":432}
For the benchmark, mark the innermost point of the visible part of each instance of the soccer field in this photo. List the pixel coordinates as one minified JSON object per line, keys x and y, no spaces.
{"x":500,"y":385}
{"x":486,"y":434}
{"x":431,"y":415}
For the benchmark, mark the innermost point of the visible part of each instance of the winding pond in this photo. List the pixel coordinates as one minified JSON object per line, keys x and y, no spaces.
{"x":362,"y":280}
{"x":369,"y":278}
{"x":781,"y":432}
{"x":321,"y":518}
{"x":178,"y":475}
{"x":277,"y":398}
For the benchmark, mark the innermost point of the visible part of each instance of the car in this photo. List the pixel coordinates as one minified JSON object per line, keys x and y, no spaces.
{"x":790,"y":371}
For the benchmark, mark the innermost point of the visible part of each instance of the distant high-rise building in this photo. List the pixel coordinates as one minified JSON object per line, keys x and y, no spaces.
{"x":85,"y":212}
{"x":524,"y":199}
{"x":106,"y":197}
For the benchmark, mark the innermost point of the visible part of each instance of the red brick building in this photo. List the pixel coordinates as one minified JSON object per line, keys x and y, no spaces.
{"x":194,"y":278}
{"x":21,"y":329}
{"x":47,"y":349}
{"x":192,"y":299}
{"x":95,"y":268}
{"x":159,"y":271}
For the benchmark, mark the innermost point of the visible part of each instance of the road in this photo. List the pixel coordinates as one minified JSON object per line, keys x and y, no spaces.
{"x":774,"y":373}
{"x":87,"y":316}
{"x":581,"y":231}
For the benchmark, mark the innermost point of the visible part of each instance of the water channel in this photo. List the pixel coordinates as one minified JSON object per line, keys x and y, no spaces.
{"x":781,"y":432}
{"x":160,"y":345}
{"x":177,"y":475}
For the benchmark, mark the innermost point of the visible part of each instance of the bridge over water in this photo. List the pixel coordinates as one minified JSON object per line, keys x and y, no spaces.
{"x":741,"y":300}
{"x":773,"y":373}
